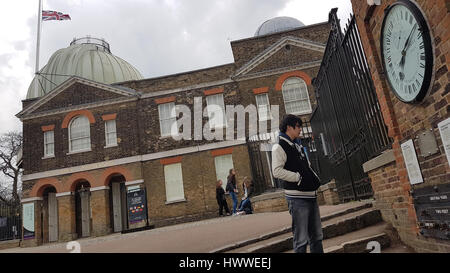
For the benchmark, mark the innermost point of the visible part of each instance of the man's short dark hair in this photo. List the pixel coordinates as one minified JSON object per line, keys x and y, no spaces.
{"x":290,"y":120}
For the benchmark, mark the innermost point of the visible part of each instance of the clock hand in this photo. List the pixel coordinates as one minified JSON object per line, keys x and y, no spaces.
{"x":407,"y":40}
{"x":402,"y":60}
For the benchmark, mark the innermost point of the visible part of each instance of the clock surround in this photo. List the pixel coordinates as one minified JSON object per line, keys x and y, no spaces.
{"x":409,"y":75}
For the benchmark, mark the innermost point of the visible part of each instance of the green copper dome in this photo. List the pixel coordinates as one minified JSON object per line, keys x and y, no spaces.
{"x":89,"y":58}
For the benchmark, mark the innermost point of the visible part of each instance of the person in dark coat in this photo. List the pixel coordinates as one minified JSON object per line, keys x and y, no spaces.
{"x":221,"y":200}
{"x":232,"y":189}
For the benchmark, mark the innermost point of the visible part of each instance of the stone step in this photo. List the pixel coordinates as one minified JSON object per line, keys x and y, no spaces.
{"x":332,"y":228}
{"x":357,"y":241}
{"x":339,"y":214}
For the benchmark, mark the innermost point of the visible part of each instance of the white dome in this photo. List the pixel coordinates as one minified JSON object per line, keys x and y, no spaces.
{"x":278,"y":24}
{"x":89,"y":58}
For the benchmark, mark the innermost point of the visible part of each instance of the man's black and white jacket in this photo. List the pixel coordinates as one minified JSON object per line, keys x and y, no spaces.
{"x":290,"y":165}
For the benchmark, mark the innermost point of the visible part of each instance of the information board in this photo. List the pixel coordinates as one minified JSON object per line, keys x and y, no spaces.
{"x":28,"y":221}
{"x":137,"y":205}
{"x":412,"y":165}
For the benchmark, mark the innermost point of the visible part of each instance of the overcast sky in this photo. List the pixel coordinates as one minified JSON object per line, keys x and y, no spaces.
{"x":158,"y":37}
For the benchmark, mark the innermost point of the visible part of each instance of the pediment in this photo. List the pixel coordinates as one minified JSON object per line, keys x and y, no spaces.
{"x":300,"y":51}
{"x":76,"y":92}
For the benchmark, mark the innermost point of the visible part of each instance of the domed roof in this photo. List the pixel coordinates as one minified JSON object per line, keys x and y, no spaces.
{"x":278,"y":24}
{"x":89,"y":58}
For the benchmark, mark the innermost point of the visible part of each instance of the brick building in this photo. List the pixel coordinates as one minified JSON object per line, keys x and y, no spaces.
{"x":421,"y":220}
{"x":93,"y":137}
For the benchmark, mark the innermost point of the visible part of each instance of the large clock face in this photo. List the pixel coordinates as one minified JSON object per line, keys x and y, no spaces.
{"x":406,"y":51}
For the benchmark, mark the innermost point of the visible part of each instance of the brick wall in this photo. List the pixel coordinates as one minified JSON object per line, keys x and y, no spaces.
{"x":149,"y":118}
{"x":127,"y":138}
{"x":184,"y":79}
{"x":199,"y":184}
{"x":77,"y":94}
{"x":247,"y":95}
{"x":405,"y":121}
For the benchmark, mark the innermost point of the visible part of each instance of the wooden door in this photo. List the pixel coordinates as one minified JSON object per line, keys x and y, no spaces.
{"x":52,"y":217}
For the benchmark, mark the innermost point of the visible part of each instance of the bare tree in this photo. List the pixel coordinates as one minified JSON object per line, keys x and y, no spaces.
{"x":10,"y":144}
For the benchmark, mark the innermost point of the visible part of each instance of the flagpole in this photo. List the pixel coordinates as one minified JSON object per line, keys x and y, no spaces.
{"x":37,"y":48}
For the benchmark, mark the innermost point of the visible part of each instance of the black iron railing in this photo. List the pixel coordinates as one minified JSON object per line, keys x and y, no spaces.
{"x":10,"y":221}
{"x":348,"y":120}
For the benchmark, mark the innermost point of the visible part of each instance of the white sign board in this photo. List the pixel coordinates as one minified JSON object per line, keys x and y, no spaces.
{"x":412,"y":165}
{"x":28,"y":220}
{"x":444,"y":129}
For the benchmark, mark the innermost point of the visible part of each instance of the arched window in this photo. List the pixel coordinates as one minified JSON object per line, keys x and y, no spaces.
{"x":79,"y":134}
{"x":296,"y":97}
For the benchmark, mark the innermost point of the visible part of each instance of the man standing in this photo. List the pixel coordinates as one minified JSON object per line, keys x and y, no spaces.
{"x":300,"y":182}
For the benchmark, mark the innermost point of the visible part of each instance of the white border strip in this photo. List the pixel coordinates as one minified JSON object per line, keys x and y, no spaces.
{"x":132,"y":159}
{"x":81,"y":168}
{"x":99,"y":188}
{"x":129,"y":183}
{"x":67,"y":193}
{"x":32,"y":199}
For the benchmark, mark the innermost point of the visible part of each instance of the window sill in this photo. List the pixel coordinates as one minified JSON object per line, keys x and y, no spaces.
{"x":48,"y":156}
{"x":110,"y":146}
{"x":176,"y":201}
{"x":78,"y":152}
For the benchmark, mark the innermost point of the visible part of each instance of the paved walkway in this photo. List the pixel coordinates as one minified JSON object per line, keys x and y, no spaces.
{"x":196,"y":237}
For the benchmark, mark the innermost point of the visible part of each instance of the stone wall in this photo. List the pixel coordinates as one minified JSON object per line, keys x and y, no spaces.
{"x":269,"y":202}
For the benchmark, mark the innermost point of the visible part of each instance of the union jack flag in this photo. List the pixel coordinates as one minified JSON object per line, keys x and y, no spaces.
{"x":48,"y":15}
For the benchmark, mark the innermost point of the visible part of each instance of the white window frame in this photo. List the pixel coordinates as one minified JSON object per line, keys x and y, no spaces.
{"x":223,"y":170}
{"x":110,"y":133}
{"x":212,"y":122}
{"x":172,"y":116}
{"x":47,"y":143}
{"x":268,"y":115}
{"x":71,"y":151}
{"x":303,"y":88}
{"x":173,"y":173}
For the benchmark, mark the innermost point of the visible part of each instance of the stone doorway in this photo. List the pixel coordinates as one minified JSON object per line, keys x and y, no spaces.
{"x":49,"y":216}
{"x":83,"y":214}
{"x":118,"y":203}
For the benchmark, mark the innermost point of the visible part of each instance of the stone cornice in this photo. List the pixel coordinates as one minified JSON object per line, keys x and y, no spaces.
{"x":267,"y":53}
{"x":78,"y":107}
{"x":66,"y":84}
{"x":278,"y":71}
